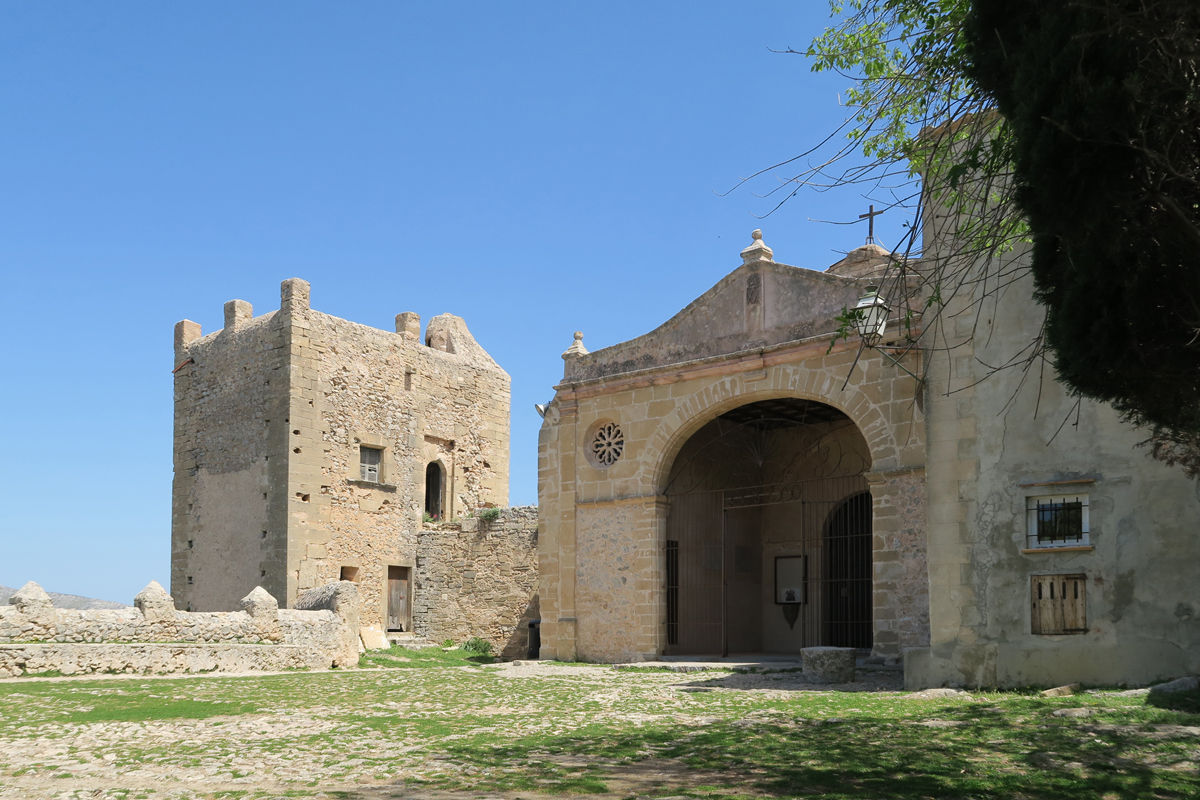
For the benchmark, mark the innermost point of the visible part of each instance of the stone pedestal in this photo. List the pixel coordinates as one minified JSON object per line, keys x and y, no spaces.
{"x":828,"y":664}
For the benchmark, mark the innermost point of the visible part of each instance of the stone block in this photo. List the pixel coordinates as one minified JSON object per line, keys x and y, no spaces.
{"x":1177,"y":685}
{"x":155,"y":603}
{"x":828,"y":664}
{"x":260,"y":605}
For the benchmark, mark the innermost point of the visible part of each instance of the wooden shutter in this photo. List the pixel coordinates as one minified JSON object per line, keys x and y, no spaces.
{"x":1059,"y":604}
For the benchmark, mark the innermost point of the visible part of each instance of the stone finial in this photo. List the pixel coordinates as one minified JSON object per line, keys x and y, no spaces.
{"x":758,"y":250}
{"x":237,"y":314}
{"x":409,"y":325}
{"x":260,"y":604}
{"x":31,"y":598}
{"x":294,"y":295}
{"x":154,"y":602}
{"x":576,"y":349}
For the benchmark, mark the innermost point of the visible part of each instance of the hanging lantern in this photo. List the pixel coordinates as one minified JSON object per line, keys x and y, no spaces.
{"x":870,"y":316}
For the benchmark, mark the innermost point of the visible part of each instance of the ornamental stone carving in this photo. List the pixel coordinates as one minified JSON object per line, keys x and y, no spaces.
{"x":608,"y":444}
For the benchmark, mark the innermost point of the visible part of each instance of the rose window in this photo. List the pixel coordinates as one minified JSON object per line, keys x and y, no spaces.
{"x":608,"y":444}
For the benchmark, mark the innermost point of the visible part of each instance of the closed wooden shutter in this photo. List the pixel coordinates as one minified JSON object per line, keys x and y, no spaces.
{"x":368,"y":464}
{"x":1059,"y":604}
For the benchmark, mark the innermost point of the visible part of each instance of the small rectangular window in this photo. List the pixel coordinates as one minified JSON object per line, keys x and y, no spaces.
{"x":368,"y":464}
{"x":1059,"y":604}
{"x":1057,"y":521}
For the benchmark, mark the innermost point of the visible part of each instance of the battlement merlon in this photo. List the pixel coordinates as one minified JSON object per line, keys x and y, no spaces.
{"x":186,"y":332}
{"x":445,"y":333}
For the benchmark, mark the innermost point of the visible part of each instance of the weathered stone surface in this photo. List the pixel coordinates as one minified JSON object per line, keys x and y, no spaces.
{"x":765,"y":333}
{"x":154,"y":602}
{"x":828,"y":664}
{"x":261,"y":605}
{"x":1061,"y":691}
{"x":271,"y":414}
{"x":1177,"y":685}
{"x":153,"y":637}
{"x":482,"y":582}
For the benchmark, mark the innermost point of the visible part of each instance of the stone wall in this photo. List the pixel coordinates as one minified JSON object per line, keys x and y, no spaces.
{"x":228,"y":511}
{"x":479,"y":579}
{"x":270,"y":415}
{"x":763,"y":333}
{"x":154,"y":637}
{"x":900,"y":559}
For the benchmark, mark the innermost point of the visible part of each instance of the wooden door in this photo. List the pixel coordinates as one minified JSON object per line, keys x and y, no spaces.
{"x":398,"y":613}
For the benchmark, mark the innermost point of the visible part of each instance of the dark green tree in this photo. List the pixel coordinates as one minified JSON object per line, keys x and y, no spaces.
{"x":1102,"y":100}
{"x":1070,"y":125}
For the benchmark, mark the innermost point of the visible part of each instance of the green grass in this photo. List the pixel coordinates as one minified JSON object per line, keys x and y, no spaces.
{"x":399,"y":657}
{"x":440,"y":722}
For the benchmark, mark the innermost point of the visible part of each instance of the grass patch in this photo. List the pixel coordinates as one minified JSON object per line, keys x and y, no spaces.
{"x":426,"y":722}
{"x":399,"y":657}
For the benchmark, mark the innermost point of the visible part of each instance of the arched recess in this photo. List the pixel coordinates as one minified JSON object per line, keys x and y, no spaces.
{"x":696,"y":412}
{"x":767,"y":526}
{"x":435,"y":490}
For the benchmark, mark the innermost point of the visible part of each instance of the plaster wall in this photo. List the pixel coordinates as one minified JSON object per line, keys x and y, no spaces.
{"x":990,"y":437}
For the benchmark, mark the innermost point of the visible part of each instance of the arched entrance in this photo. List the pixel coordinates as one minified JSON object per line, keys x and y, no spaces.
{"x":769,"y":533}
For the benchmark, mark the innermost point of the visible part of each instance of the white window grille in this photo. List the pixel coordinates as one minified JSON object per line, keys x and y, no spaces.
{"x":368,"y":464}
{"x":1057,"y":520}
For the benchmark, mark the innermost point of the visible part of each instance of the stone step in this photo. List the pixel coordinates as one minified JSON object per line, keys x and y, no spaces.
{"x":410,"y":640}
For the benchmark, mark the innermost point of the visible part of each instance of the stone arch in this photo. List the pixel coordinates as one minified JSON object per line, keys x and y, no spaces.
{"x":676,"y":428}
{"x":436,"y":489}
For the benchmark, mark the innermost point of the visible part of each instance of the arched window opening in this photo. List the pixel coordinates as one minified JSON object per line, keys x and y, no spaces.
{"x":433,"y":491}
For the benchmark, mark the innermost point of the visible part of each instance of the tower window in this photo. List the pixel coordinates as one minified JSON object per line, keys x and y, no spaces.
{"x":433,"y":490}
{"x":368,"y":464}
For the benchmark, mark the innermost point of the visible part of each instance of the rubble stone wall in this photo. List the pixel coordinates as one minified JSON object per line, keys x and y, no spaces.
{"x":271,"y":416}
{"x":480,"y":580}
{"x":154,"y":637}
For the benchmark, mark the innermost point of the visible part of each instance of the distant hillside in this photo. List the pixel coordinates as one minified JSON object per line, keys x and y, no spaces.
{"x":66,"y":600}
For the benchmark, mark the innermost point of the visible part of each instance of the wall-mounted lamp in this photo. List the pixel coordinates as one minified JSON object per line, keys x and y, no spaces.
{"x":870,"y":316}
{"x":541,"y":409}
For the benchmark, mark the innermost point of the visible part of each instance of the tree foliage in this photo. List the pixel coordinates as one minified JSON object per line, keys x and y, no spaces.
{"x":1072,"y":126}
{"x":1103,"y":101}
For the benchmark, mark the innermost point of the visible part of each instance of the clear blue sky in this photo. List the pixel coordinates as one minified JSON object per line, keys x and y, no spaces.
{"x":536,"y":168}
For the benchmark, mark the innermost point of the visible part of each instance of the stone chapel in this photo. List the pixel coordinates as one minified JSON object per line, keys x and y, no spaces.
{"x":743,"y":480}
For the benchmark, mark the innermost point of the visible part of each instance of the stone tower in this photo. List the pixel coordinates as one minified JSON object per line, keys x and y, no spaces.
{"x":310,"y":449}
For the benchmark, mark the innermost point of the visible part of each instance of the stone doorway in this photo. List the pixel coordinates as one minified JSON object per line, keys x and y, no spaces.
{"x":399,"y":615}
{"x":769,"y":534}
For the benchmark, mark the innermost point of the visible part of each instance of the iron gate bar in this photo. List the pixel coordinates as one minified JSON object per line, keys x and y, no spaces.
{"x":833,"y":527}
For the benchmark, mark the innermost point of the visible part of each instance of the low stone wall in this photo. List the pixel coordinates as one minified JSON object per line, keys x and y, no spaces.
{"x":479,"y":579}
{"x":153,"y":637}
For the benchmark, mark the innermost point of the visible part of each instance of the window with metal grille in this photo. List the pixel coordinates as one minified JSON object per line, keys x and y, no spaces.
{"x":1057,"y":521}
{"x":1059,"y":604}
{"x":368,"y":464}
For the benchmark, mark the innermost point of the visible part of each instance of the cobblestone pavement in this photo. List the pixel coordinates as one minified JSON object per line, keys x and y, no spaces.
{"x":459,"y":731}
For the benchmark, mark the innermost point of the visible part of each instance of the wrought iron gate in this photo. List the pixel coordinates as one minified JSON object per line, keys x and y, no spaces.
{"x":722,"y":553}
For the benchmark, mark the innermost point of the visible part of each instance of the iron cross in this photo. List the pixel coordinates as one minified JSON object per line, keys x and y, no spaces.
{"x":870,"y":218}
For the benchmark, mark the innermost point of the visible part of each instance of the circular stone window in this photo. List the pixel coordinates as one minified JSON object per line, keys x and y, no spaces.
{"x":608,"y":444}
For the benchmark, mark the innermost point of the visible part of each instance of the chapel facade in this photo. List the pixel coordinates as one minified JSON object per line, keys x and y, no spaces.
{"x":749,"y":478}
{"x":310,"y":449}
